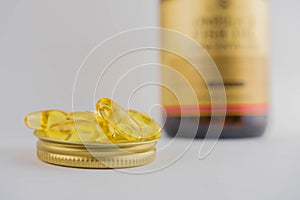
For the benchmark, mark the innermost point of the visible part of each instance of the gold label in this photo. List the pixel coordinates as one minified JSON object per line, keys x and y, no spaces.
{"x":235,"y":35}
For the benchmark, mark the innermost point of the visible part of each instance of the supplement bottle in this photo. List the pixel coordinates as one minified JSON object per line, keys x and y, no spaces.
{"x":235,"y":34}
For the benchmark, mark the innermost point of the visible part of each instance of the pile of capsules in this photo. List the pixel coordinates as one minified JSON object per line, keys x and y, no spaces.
{"x":110,"y":123}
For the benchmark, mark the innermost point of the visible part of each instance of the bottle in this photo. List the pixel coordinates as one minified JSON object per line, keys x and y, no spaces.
{"x":235,"y":35}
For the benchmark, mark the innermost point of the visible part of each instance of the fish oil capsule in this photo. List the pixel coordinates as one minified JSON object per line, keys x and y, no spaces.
{"x":44,"y":119}
{"x":40,"y":133}
{"x":88,"y":115}
{"x":78,"y":130}
{"x":111,"y":133}
{"x":150,"y":128}
{"x":125,"y":127}
{"x":107,"y":135}
{"x":120,"y":136}
{"x":58,"y":134}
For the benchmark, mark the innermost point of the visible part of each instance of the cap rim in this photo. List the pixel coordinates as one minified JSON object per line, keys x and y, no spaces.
{"x":71,"y":155}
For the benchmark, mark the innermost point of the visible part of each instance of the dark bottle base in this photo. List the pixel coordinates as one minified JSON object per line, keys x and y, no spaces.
{"x":234,"y":127}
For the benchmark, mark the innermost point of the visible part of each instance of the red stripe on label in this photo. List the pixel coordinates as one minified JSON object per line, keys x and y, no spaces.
{"x":206,"y":109}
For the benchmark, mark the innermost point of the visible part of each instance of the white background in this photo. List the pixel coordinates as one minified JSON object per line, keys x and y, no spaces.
{"x":42,"y":44}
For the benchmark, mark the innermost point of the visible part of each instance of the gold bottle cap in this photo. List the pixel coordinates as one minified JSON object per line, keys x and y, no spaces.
{"x":95,"y":155}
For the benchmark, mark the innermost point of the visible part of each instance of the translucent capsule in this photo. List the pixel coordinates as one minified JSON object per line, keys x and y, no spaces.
{"x":125,"y":127}
{"x":150,"y":129}
{"x":107,"y":131}
{"x":120,"y":136}
{"x":44,"y":119}
{"x":58,"y":134}
{"x":88,"y":116}
{"x":112,"y":135}
{"x":40,"y":133}
{"x":77,"y":130}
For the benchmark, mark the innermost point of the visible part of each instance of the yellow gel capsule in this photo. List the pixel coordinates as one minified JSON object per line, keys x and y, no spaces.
{"x":80,"y":131}
{"x":88,"y":115}
{"x":44,"y":119}
{"x":58,"y":134}
{"x":112,"y":135}
{"x":151,"y":130}
{"x":120,"y":137}
{"x":125,"y":127}
{"x":40,"y":133}
{"x":107,"y":135}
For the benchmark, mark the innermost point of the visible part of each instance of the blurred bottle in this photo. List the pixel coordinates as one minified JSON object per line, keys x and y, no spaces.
{"x":235,"y":35}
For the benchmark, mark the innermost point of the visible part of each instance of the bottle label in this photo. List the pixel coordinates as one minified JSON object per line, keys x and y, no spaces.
{"x":235,"y":35}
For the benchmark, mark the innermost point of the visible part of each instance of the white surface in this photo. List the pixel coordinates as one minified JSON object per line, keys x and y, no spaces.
{"x":42,"y":44}
{"x":262,"y":168}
